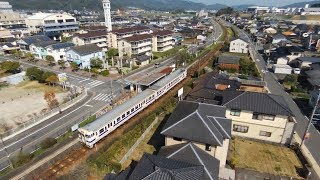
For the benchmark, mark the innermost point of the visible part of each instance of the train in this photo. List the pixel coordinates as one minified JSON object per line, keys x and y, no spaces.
{"x":93,"y":132}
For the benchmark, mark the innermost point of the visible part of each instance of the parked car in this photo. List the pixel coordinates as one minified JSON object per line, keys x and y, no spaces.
{"x":296,"y":71}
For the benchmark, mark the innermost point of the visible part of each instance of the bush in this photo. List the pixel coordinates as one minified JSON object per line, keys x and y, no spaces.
{"x":22,"y":159}
{"x":104,"y":73}
{"x":47,"y":143}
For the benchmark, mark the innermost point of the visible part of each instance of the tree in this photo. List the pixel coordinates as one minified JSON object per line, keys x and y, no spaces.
{"x":111,"y":53}
{"x":50,"y":59}
{"x":17,"y":53}
{"x":74,"y":66}
{"x":34,"y":73}
{"x":96,"y":63}
{"x":183,"y":57}
{"x":47,"y":143}
{"x":62,"y":64}
{"x":51,"y":99}
{"x":290,"y":80}
{"x":9,"y":66}
{"x":45,"y":76}
{"x":30,"y":56}
{"x":53,"y":79}
{"x":227,"y":10}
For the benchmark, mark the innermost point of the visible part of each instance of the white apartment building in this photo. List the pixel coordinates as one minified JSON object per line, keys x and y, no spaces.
{"x":239,"y":46}
{"x":5,"y":7}
{"x":100,"y":38}
{"x":51,"y":22}
{"x":310,"y":11}
{"x":162,"y":41}
{"x":135,"y":45}
{"x":8,"y":19}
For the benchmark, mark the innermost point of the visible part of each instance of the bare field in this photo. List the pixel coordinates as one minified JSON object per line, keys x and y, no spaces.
{"x":265,"y":158}
{"x":20,"y":103}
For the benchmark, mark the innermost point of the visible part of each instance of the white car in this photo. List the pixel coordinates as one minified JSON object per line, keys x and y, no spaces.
{"x":296,"y":71}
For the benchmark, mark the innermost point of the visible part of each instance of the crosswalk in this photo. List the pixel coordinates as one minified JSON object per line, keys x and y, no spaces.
{"x":92,"y":84}
{"x":103,"y":97}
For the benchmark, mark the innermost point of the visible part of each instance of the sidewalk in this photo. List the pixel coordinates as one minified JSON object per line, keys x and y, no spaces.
{"x":45,"y":160}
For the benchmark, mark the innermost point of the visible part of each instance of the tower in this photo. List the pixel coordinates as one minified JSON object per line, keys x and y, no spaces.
{"x":107,"y":14}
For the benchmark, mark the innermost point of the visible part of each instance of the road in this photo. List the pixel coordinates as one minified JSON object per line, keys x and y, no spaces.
{"x":276,"y":88}
{"x":99,"y":95}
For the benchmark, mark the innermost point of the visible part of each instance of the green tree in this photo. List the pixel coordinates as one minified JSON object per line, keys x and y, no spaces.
{"x":74,"y":66}
{"x":111,"y":53}
{"x":30,"y":56}
{"x":34,"y":73}
{"x":9,"y":66}
{"x":17,"y":53}
{"x":227,"y":10}
{"x":62,"y":64}
{"x":96,"y":63}
{"x":183,"y":57}
{"x":52,"y":80}
{"x":290,"y":80}
{"x":50,"y":59}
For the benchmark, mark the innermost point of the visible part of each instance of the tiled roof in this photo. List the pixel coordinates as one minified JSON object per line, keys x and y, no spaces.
{"x":61,"y":45}
{"x":36,"y":39}
{"x":260,"y":103}
{"x":92,"y":34}
{"x":188,"y":152}
{"x":162,"y":33}
{"x":45,"y":43}
{"x":130,"y":30}
{"x":86,"y":49}
{"x":198,"y":122}
{"x":139,"y":37}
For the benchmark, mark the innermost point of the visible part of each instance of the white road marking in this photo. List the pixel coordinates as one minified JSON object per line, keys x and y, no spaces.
{"x":18,"y":140}
{"x":102,"y":97}
{"x":83,"y":80}
{"x":88,"y":105}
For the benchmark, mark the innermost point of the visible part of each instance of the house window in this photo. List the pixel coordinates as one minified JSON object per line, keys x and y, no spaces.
{"x":235,"y":112}
{"x":256,"y":116}
{"x":265,"y":133}
{"x":177,"y":139}
{"x":269,"y":117}
{"x":242,"y":129}
{"x":208,"y":147}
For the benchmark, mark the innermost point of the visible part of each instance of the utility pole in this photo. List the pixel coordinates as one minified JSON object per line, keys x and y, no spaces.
{"x":310,"y":120}
{"x":6,"y":151}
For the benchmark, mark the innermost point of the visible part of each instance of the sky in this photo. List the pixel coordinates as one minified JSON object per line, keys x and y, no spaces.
{"x":253,"y":2}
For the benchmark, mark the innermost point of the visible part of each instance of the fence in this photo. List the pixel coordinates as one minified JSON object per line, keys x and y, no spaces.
{"x":8,"y":134}
{"x":141,"y":138}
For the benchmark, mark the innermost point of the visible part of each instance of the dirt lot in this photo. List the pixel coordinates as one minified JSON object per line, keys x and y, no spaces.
{"x":20,"y":103}
{"x":264,"y":158}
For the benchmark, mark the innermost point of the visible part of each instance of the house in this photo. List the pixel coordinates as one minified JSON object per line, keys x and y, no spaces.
{"x":278,"y":38}
{"x":305,"y":62}
{"x":26,"y":42}
{"x":83,"y":54}
{"x":51,"y":22}
{"x":270,"y":30}
{"x":261,"y":116}
{"x":142,"y":60}
{"x":204,"y":125}
{"x":92,"y":37}
{"x":229,"y":62}
{"x":162,"y":41}
{"x":239,"y":46}
{"x":281,"y":69}
{"x":38,"y":49}
{"x":135,"y":45}
{"x":58,"y":50}
{"x":187,"y":163}
{"x":254,"y":115}
{"x":252,"y":85}
{"x":282,"y":60}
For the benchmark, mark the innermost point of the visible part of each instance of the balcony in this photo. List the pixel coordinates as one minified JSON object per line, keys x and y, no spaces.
{"x":61,"y":28}
{"x":165,"y":39}
{"x":139,"y":45}
{"x":61,"y":24}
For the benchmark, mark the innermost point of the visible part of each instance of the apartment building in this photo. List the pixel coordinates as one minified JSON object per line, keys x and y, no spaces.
{"x":254,"y":115}
{"x":99,"y":38}
{"x":9,"y":19}
{"x":115,"y":35}
{"x":51,"y":22}
{"x":162,"y":41}
{"x":5,"y":7}
{"x":135,"y":45}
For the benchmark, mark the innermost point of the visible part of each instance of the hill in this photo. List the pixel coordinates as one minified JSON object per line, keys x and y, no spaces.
{"x":301,"y":4}
{"x":115,"y":4}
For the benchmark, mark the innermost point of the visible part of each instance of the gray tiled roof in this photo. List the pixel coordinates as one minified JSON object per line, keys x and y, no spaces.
{"x":198,"y":122}
{"x":162,"y":168}
{"x":36,"y":39}
{"x":188,"y":152}
{"x":261,"y":103}
{"x":86,"y":49}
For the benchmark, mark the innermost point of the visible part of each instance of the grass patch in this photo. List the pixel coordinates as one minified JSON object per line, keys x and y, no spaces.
{"x":5,"y":171}
{"x":87,"y":121}
{"x":35,"y":85}
{"x":38,"y":152}
{"x":262,"y":157}
{"x":166,"y":54}
{"x":64,"y":137}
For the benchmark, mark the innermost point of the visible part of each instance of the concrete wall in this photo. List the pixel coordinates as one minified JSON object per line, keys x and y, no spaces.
{"x":219,"y":152}
{"x":276,"y":127}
